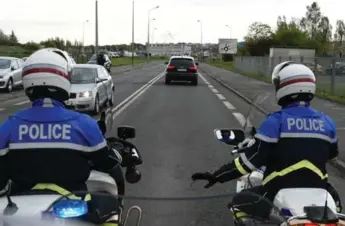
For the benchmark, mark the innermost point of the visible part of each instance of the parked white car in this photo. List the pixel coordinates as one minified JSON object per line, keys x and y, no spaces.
{"x":92,"y":88}
{"x":10,"y":73}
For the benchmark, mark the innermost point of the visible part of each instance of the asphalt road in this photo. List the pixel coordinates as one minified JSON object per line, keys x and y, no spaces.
{"x":175,"y":126}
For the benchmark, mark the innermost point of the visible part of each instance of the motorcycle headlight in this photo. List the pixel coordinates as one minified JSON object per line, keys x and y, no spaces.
{"x":85,"y":94}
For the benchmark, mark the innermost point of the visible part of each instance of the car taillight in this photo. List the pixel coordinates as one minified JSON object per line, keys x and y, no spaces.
{"x":315,"y":224}
{"x":193,"y":68}
{"x":171,"y":67}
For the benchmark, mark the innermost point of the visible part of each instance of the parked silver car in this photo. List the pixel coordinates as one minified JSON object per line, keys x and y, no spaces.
{"x":92,"y":88}
{"x":10,"y":73}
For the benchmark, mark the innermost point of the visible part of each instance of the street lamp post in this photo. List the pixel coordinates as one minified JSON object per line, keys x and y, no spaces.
{"x":96,"y":44}
{"x":133,"y":33}
{"x":84,"y":22}
{"x":153,"y":34}
{"x":229,"y":30}
{"x":148,"y":32}
{"x":200,"y":37}
{"x":172,"y":46}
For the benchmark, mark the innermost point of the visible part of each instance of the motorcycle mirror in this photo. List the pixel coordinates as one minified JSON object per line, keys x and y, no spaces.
{"x":126,"y":132}
{"x":132,"y":175}
{"x":230,"y":136}
{"x":102,"y":124}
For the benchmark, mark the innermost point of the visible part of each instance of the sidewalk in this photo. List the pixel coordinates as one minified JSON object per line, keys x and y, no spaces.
{"x":250,"y":88}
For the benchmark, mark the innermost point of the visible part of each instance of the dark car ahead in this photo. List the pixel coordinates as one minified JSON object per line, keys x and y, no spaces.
{"x":339,"y":68}
{"x":107,"y":64}
{"x":181,"y":68}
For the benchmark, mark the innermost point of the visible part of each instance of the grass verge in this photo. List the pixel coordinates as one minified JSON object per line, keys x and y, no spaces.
{"x":320,"y":92}
{"x":14,"y":51}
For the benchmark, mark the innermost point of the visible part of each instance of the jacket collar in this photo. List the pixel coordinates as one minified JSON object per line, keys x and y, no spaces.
{"x":47,"y":102}
{"x":297,"y":104}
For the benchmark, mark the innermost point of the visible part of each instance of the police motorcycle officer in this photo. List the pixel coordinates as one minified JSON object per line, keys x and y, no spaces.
{"x":50,"y":144}
{"x":294,"y":144}
{"x":101,"y":59}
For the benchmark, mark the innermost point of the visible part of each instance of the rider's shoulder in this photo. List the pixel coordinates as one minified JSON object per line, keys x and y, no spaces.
{"x":86,"y":120}
{"x":274,"y":116}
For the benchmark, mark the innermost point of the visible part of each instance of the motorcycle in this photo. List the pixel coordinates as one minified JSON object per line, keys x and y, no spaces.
{"x":56,"y":206}
{"x":291,"y":206}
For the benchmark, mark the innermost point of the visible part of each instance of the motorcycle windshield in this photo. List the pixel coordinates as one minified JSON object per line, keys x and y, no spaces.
{"x":256,"y":112}
{"x":207,"y":210}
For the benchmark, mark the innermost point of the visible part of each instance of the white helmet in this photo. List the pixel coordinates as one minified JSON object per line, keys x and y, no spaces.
{"x":47,"y":73}
{"x":293,"y":81}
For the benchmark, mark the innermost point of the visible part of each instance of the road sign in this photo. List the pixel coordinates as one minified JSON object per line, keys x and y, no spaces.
{"x":227,"y":46}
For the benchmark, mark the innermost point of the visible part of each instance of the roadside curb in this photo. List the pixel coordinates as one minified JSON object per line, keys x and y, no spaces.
{"x":338,"y":164}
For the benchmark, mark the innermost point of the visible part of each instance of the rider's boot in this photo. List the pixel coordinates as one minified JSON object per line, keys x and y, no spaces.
{"x":114,"y":220}
{"x":242,"y":219}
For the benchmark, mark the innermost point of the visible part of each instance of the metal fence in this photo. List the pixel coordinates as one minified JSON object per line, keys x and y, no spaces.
{"x":329,"y":72}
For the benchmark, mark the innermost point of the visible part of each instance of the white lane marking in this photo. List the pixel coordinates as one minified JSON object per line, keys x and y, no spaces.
{"x":21,"y":103}
{"x":2,"y":109}
{"x":204,"y":79}
{"x":135,"y":93}
{"x":215,"y":90}
{"x":341,"y":128}
{"x":241,"y":119}
{"x":142,"y":91}
{"x":228,"y":105}
{"x":220,"y":96}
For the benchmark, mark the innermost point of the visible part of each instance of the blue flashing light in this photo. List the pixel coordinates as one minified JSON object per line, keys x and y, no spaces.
{"x":70,"y":208}
{"x":286,"y":212}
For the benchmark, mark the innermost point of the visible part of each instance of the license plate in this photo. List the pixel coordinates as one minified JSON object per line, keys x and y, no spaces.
{"x":182,"y":69}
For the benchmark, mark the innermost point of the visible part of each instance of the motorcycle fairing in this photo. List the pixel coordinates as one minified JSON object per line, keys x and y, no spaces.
{"x":295,"y":199}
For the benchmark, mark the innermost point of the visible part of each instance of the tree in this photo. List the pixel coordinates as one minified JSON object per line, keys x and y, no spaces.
{"x":68,"y":45}
{"x":339,"y":31}
{"x":339,"y":36}
{"x":3,"y":38}
{"x":290,"y":34}
{"x":324,"y":30}
{"x":32,"y":46}
{"x":311,"y":21}
{"x":13,"y":38}
{"x":259,"y":30}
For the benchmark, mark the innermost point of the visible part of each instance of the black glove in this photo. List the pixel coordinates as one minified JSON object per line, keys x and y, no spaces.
{"x":205,"y":176}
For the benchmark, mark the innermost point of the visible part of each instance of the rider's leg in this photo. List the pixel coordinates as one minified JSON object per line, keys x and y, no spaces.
{"x":118,"y":175}
{"x":105,"y":210}
{"x":335,"y":196}
{"x":250,"y":202}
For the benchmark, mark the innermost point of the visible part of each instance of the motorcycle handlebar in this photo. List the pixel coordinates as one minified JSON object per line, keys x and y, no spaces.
{"x":237,"y":150}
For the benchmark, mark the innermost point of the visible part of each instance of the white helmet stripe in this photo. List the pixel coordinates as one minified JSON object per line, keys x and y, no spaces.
{"x":45,"y":70}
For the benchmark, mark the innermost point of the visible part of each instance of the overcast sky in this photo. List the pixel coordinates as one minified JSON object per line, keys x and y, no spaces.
{"x":40,"y":19}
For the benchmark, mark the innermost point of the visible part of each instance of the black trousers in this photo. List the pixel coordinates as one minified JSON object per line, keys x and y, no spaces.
{"x":251,"y":202}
